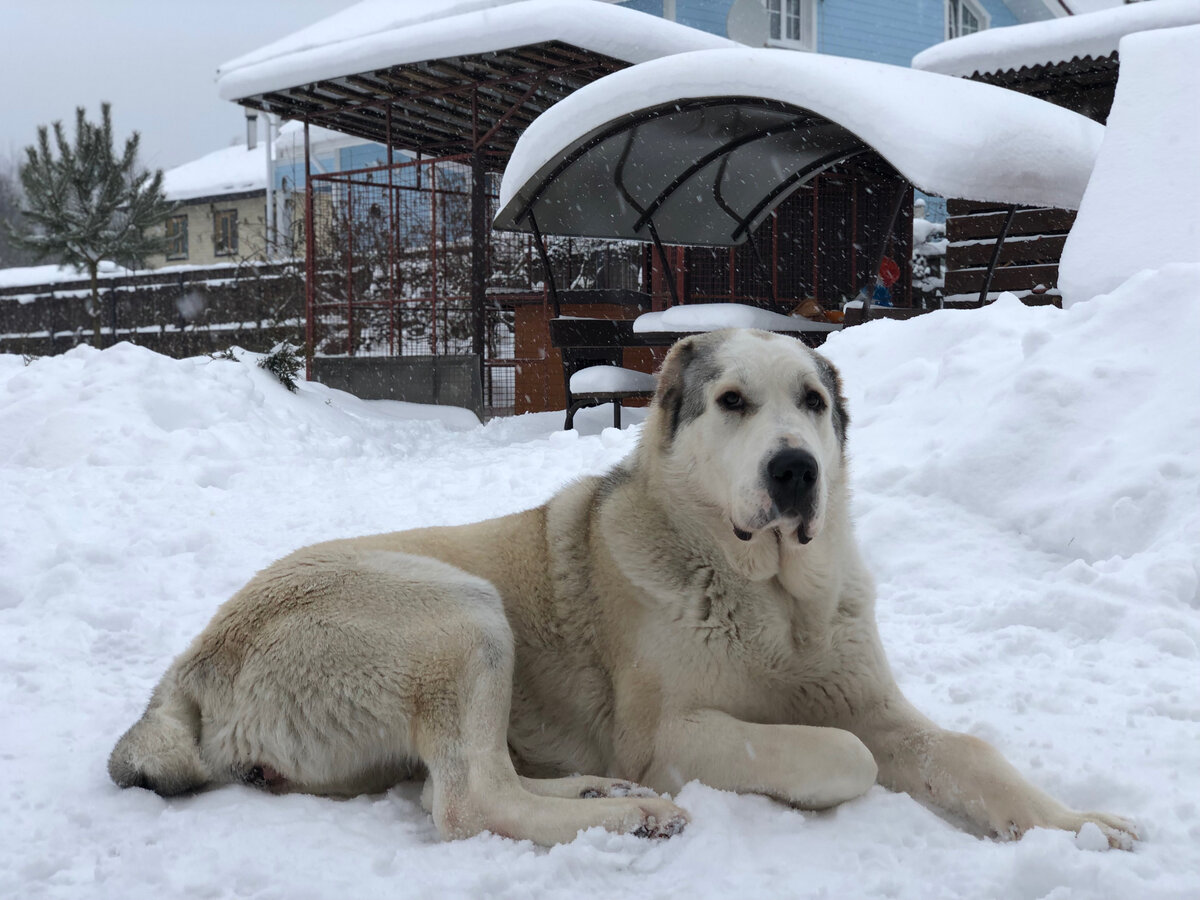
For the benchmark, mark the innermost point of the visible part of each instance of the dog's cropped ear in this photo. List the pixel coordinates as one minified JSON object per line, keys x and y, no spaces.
{"x":832,"y":380}
{"x":689,"y":367}
{"x":668,"y":393}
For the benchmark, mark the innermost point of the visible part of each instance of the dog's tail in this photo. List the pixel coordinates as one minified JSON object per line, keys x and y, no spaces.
{"x":161,"y":751}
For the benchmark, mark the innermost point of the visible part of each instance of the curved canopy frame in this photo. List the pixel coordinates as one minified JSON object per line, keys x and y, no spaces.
{"x":699,"y":172}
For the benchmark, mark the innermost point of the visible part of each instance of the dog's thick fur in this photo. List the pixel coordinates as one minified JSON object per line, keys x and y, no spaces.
{"x":701,"y":612}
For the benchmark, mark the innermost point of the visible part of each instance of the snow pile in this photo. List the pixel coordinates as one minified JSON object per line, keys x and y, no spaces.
{"x":1141,"y":209}
{"x":713,"y":316}
{"x":1057,"y":40}
{"x":377,"y":34}
{"x":228,"y":171}
{"x":1027,"y":492}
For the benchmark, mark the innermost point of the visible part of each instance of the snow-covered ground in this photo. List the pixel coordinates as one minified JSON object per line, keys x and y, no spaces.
{"x":1027,"y":493}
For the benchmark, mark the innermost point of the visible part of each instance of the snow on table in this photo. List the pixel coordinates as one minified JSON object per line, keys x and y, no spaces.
{"x":1055,"y":41}
{"x":976,"y":141}
{"x":377,"y":34}
{"x":1026,"y":492}
{"x":715,"y":316}
{"x":610,"y":380}
{"x":1141,"y":209}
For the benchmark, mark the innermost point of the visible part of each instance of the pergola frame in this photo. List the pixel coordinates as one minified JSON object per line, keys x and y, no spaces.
{"x":480,"y":103}
{"x":474,"y":106}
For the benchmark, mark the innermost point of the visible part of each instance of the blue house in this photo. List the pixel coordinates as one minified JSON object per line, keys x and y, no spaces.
{"x":890,"y":31}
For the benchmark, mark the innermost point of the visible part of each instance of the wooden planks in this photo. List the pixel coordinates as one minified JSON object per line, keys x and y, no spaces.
{"x":1010,"y":278}
{"x":1025,"y":222}
{"x":1024,"y":251}
{"x":1028,"y":257}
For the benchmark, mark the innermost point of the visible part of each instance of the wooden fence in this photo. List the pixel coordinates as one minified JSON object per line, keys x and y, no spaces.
{"x":177,"y":313}
{"x":1028,"y":262}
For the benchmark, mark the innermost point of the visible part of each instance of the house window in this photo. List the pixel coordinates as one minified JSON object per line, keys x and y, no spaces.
{"x":793,"y":23}
{"x":177,"y":237}
{"x":965,"y":17}
{"x":225,"y":241}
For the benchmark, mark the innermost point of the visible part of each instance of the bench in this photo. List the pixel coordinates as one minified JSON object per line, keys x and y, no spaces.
{"x":592,"y":372}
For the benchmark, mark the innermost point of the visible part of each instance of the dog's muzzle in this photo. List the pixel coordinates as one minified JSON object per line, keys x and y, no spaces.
{"x":792,"y":483}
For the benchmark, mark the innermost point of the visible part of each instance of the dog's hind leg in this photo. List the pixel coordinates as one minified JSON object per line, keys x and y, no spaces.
{"x":349,"y":665}
{"x":461,"y":736}
{"x":161,"y":751}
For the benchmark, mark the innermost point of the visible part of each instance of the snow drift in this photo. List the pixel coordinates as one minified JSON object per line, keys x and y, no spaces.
{"x":1140,"y":208}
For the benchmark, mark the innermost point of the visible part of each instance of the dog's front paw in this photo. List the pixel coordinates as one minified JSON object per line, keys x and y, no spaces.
{"x":1119,"y":833}
{"x":660,"y":819}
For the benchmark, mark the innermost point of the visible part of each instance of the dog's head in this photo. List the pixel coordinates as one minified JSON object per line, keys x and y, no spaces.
{"x":754,"y":424}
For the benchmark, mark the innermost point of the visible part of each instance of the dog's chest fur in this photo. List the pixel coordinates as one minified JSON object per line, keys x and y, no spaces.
{"x":778,"y":649}
{"x":756,"y":649}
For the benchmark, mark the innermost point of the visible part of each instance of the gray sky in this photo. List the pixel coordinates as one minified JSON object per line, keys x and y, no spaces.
{"x":154,"y":61}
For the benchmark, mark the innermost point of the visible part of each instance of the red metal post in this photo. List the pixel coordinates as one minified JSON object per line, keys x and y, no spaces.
{"x":433,"y":268}
{"x":310,"y":263}
{"x":349,"y":270}
{"x":680,"y":274}
{"x":908,"y":249}
{"x":816,"y":240}
{"x":775,"y":254}
{"x":479,"y":243}
{"x":853,"y":235}
{"x":392,"y":203}
{"x":732,"y":274}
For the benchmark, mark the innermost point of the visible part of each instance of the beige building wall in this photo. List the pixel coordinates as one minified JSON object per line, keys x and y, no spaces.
{"x":203,"y":214}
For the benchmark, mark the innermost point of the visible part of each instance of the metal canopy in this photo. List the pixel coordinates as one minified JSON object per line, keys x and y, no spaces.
{"x":697,"y":172}
{"x":445,"y":106}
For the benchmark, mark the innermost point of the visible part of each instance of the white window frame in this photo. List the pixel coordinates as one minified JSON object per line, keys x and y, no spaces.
{"x":781,"y":13}
{"x":954,"y":16}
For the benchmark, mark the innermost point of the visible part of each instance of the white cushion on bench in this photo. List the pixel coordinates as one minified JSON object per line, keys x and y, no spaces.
{"x":610,"y":380}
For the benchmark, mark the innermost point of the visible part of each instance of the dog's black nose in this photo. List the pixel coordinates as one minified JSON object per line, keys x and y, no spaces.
{"x":791,"y":478}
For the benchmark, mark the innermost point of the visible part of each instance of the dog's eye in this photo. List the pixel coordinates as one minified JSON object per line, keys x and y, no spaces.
{"x":814,"y":401}
{"x":732,"y":400}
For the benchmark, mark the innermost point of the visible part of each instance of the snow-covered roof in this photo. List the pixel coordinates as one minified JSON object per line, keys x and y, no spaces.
{"x":668,"y":119}
{"x":1059,"y":40}
{"x":229,"y":171}
{"x":1139,"y":210}
{"x":376,"y":34}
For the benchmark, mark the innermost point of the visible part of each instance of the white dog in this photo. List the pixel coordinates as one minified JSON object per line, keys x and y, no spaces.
{"x":701,"y":612}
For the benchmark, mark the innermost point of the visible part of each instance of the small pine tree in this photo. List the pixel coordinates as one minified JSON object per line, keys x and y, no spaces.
{"x":84,"y":204}
{"x":284,"y":364}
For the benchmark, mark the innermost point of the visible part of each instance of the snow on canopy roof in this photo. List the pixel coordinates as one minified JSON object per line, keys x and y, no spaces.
{"x":717,"y":129}
{"x":377,"y":34}
{"x":1056,"y":41}
{"x":230,"y":171}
